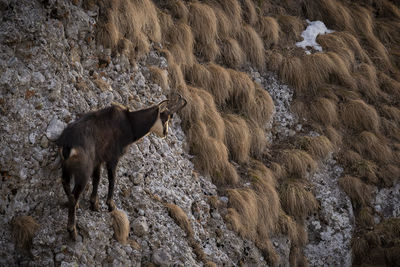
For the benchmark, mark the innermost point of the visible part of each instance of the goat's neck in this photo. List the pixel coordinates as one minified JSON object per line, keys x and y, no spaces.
{"x":141,"y":121}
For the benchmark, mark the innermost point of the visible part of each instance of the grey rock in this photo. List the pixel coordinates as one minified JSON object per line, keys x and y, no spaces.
{"x":55,"y":128}
{"x":161,"y":257}
{"x":140,"y":226}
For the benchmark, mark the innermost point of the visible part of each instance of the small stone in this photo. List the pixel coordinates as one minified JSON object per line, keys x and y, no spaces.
{"x":32,"y":138}
{"x":138,"y":179}
{"x":140,"y":226}
{"x":60,"y":257}
{"x":38,"y":77}
{"x":161,"y":257}
{"x":55,"y":128}
{"x":224,"y":199}
{"x":44,"y":142}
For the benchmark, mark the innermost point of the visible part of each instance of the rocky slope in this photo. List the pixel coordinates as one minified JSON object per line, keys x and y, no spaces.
{"x":51,"y":70}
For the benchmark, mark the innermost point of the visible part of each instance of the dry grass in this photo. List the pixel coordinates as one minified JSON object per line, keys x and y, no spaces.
{"x":291,"y":29}
{"x":359,"y":116}
{"x":269,"y":30}
{"x":233,"y":12}
{"x":212,"y":118}
{"x":263,"y":107}
{"x":392,"y":113}
{"x":253,"y":46}
{"x":176,"y":8}
{"x":198,"y":75}
{"x":160,"y":77}
{"x":121,"y":226}
{"x":287,"y":225}
{"x":297,"y":163}
{"x":319,"y":146}
{"x":212,"y":155}
{"x":231,"y":54}
{"x":249,"y":12}
{"x":24,"y":229}
{"x":372,"y":147}
{"x":296,"y":199}
{"x":238,"y":138}
{"x":292,"y":72}
{"x":389,"y":85}
{"x":137,"y":21}
{"x":243,"y":92}
{"x":368,"y":84}
{"x":359,"y":192}
{"x":273,"y":60}
{"x":203,"y":21}
{"x":180,"y":37}
{"x":219,"y":84}
{"x":180,"y":218}
{"x":259,"y":142}
{"x":324,"y":111}
{"x":378,"y":246}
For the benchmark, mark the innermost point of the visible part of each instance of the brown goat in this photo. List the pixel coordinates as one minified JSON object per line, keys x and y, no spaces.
{"x":102,"y":136}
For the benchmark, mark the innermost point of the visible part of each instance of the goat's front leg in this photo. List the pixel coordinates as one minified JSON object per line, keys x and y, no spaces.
{"x":111,"y":166}
{"x":94,"y":198}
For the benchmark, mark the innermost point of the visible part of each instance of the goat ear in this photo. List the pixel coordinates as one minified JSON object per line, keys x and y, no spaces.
{"x":162,"y":106}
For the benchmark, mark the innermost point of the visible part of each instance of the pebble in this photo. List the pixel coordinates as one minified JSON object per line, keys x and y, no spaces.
{"x":140,"y":227}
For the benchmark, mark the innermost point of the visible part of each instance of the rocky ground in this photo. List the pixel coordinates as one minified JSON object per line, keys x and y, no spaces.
{"x":50,"y":73}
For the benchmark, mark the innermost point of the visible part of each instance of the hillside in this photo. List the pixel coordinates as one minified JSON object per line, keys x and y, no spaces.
{"x":283,"y":156}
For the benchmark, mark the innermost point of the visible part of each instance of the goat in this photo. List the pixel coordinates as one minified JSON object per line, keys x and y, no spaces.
{"x":102,"y":136}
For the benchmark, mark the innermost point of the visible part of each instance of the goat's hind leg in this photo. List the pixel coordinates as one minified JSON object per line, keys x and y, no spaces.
{"x":111,"y":166}
{"x":80,"y":184}
{"x":94,"y":198}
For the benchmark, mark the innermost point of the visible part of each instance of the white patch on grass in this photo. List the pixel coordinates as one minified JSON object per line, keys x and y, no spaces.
{"x":314,"y":28}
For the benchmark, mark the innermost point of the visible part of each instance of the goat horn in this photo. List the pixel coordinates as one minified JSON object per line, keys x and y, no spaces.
{"x":163,"y":105}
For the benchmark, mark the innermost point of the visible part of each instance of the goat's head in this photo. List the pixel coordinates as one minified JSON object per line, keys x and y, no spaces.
{"x":166,"y":110}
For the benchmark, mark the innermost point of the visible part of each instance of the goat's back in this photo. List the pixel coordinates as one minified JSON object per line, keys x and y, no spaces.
{"x":102,"y":134}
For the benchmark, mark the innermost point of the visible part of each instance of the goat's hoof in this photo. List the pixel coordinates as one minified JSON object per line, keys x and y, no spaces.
{"x":95,"y":204}
{"x":111,"y":205}
{"x":73,"y":233}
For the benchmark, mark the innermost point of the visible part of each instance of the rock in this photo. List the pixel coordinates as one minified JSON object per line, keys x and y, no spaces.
{"x":55,"y":128}
{"x":140,"y":227}
{"x":161,"y":258}
{"x":38,"y":77}
{"x":138,"y":179}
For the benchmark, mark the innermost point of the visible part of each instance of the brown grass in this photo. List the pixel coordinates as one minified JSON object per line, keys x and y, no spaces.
{"x":378,"y":246}
{"x":238,"y":138}
{"x":212,"y":118}
{"x":359,"y":116}
{"x":296,"y":199}
{"x":198,"y":75}
{"x":287,"y":225}
{"x":319,"y":146}
{"x":258,"y":140}
{"x":392,"y":113}
{"x":291,"y":29}
{"x":121,"y":226}
{"x":224,"y":25}
{"x":180,"y":37}
{"x":368,"y":84}
{"x":124,"y":19}
{"x":233,"y":12}
{"x":390,"y":129}
{"x":269,"y":30}
{"x":389,"y":85}
{"x":253,"y":46}
{"x":203,"y":21}
{"x":334,"y":136}
{"x":292,"y":72}
{"x":242,"y":99}
{"x":212,"y":155}
{"x":24,"y":229}
{"x":359,"y":192}
{"x":160,"y":77}
{"x":180,"y":218}
{"x":324,"y":111}
{"x":220,"y":83}
{"x":263,"y":107}
{"x":273,"y":60}
{"x":176,"y":8}
{"x":297,"y":163}
{"x":249,"y":12}
{"x":231,"y":53}
{"x":372,"y":147}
